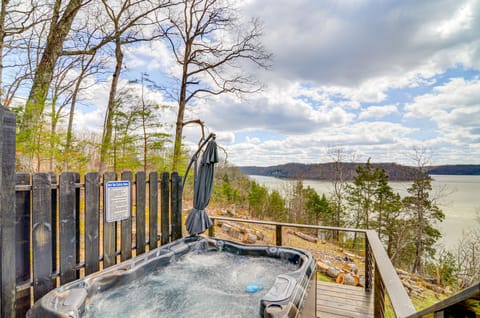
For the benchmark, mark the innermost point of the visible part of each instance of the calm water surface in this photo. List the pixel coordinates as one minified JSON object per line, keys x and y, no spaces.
{"x":459,"y":198}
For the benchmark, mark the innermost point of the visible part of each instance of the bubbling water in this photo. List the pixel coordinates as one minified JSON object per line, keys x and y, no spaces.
{"x":197,"y":284}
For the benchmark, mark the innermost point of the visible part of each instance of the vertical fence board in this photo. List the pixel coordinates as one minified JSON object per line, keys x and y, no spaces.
{"x":92,"y":222}
{"x":176,"y":206}
{"x":78,"y":230}
{"x":126,"y":237}
{"x":41,"y":234}
{"x":164,"y":206}
{"x":153,"y":210}
{"x":140,"y":196}
{"x":46,"y":212}
{"x":22,"y":246}
{"x":109,"y":228}
{"x":68,"y":233}
{"x":55,"y":218}
{"x":7,"y":212}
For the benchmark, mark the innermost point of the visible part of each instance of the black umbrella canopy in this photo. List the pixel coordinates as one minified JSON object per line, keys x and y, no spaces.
{"x":198,"y":220}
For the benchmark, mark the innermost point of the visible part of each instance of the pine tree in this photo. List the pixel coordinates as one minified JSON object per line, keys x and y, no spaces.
{"x":424,"y":214}
{"x":276,"y":207}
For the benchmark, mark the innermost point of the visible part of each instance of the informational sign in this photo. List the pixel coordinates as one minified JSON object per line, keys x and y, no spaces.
{"x":117,"y":201}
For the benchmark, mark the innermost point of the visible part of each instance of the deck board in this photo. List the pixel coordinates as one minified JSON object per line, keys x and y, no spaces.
{"x":339,"y":301}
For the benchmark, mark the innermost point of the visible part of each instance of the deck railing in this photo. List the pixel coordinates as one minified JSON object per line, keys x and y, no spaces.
{"x":465,"y":303}
{"x":381,"y":278}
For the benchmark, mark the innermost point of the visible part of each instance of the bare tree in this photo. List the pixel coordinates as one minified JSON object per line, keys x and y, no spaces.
{"x":210,"y":43}
{"x":130,"y":20}
{"x":339,"y":185}
{"x":468,"y":258}
{"x":87,"y":68}
{"x":423,"y":209}
{"x":60,"y":24}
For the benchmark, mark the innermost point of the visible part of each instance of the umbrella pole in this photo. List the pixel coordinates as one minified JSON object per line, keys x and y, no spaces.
{"x":212,"y":135}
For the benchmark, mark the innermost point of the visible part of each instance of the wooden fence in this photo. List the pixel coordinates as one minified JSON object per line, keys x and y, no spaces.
{"x":54,"y":230}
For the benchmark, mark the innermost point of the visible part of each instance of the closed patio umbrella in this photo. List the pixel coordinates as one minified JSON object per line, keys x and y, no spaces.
{"x":198,"y":220}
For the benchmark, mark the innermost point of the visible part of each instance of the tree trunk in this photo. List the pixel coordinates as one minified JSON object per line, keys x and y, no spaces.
{"x":107,"y":127}
{"x":3,"y":13}
{"x":144,"y":128}
{"x":177,"y":148}
{"x":417,"y":264}
{"x":53,"y":130}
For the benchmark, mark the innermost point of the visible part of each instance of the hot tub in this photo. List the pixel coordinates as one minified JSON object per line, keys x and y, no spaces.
{"x":191,"y":277}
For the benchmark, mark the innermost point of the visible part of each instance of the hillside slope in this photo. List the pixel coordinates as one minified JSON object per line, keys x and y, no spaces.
{"x":327,"y":171}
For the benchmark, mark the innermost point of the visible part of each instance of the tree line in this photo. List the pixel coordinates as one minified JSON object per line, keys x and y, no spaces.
{"x":406,"y":225}
{"x":55,"y":52}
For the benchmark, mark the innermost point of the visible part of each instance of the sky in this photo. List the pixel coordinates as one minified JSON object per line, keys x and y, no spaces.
{"x":375,"y":79}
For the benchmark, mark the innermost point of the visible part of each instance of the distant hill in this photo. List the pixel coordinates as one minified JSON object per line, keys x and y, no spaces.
{"x":326,"y":171}
{"x":473,"y":170}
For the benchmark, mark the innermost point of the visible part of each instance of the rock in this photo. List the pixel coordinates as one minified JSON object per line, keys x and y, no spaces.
{"x":234,"y":232}
{"x":226,"y":227}
{"x":260,"y":235}
{"x":250,"y":238}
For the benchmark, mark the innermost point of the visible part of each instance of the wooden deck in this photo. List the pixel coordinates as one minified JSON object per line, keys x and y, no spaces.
{"x":334,"y":300}
{"x":340,"y":301}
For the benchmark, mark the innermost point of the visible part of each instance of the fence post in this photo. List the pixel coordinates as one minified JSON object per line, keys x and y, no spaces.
{"x":176,"y":203}
{"x":153,"y":210}
{"x":164,"y":208}
{"x":55,"y":219}
{"x":109,"y":228}
{"x":7,"y":212}
{"x":126,"y":225}
{"x":140,"y":200}
{"x":22,"y":301}
{"x":92,"y":222}
{"x":42,"y":229}
{"x":68,"y":228}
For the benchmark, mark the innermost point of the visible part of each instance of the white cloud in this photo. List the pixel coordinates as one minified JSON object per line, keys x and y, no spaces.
{"x":284,"y":115}
{"x":452,"y":106}
{"x":377,"y":112}
{"x":351,"y":44}
{"x":382,"y":141}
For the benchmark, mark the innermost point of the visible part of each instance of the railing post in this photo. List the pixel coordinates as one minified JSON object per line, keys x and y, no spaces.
{"x":278,"y":234}
{"x":7,"y":212}
{"x":211,"y":229}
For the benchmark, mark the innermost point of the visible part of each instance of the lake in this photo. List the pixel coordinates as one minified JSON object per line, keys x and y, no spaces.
{"x":459,"y":198}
